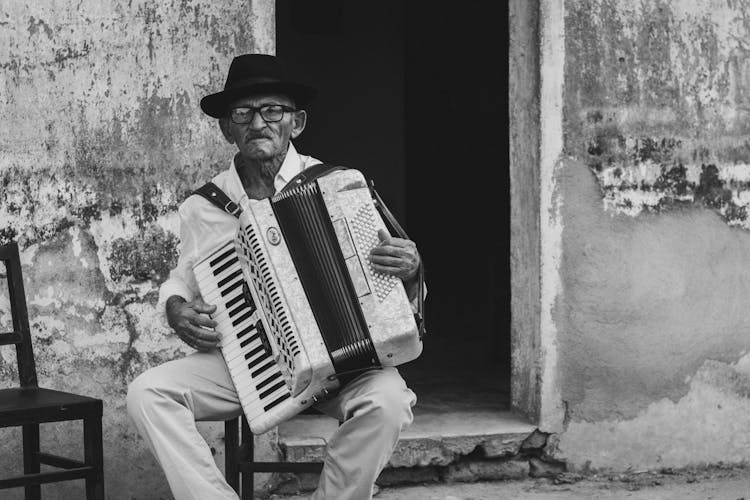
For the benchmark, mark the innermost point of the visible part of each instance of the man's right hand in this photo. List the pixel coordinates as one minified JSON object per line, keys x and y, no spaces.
{"x":188,"y":319}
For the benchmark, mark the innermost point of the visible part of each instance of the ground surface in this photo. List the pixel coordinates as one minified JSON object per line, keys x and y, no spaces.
{"x":712,"y":484}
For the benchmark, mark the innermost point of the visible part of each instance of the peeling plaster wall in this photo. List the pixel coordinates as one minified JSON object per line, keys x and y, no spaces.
{"x":102,"y":139}
{"x":652,"y":317}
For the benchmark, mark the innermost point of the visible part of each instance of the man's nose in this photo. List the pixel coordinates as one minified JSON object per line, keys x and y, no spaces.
{"x":257,"y":122}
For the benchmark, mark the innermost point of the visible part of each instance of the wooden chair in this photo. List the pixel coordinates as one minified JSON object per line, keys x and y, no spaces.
{"x":240,"y":458}
{"x":29,"y":405}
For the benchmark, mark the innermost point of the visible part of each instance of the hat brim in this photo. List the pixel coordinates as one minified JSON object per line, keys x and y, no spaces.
{"x":216,"y":105}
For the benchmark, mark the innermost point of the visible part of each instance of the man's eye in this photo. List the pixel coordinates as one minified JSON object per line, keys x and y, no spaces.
{"x":273,"y":108}
{"x":242,"y":111}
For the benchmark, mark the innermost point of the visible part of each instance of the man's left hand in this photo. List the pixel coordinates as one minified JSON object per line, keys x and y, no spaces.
{"x":395,"y":256}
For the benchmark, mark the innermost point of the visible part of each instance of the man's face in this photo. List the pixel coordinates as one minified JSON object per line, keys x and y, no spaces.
{"x":258,"y":139}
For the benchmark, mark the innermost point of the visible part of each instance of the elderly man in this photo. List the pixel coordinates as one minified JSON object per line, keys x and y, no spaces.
{"x":260,"y":111}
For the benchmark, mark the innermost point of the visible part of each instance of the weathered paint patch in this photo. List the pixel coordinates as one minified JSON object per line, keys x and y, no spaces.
{"x":708,"y":425}
{"x":148,"y":256}
{"x":657,"y":104}
{"x":657,"y":174}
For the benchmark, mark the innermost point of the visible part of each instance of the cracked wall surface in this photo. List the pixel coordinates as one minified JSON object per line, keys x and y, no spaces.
{"x":103,"y":139}
{"x":652,"y":192}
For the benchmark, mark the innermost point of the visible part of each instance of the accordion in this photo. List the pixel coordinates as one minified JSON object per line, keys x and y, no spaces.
{"x":298,"y":305}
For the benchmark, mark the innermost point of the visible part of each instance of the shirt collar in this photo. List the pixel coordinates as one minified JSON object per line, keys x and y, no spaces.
{"x":292,"y":165}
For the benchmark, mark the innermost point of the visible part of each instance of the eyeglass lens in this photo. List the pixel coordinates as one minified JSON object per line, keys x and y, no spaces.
{"x":269,"y":113}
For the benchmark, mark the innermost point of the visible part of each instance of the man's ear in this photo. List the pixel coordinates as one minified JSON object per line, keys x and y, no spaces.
{"x":298,"y":123}
{"x":224,"y":126}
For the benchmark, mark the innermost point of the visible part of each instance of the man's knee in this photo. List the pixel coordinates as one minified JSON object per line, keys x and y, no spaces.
{"x":144,"y":393}
{"x":139,"y":393}
{"x":391,"y":401}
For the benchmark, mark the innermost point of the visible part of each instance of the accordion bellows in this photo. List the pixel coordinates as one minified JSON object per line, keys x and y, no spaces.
{"x":298,"y":304}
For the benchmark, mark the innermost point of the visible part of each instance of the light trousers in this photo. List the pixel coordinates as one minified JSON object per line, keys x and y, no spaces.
{"x":165,"y":402}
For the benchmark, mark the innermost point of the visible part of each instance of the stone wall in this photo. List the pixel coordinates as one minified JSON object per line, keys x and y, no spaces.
{"x":102,"y":139}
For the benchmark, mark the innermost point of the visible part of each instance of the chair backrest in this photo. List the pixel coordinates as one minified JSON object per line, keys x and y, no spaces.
{"x":21,"y":334}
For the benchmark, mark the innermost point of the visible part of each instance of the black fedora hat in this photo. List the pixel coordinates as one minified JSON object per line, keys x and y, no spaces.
{"x":254,"y":74}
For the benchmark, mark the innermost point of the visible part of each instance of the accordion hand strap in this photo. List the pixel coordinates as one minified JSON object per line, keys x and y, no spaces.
{"x":388,"y":216}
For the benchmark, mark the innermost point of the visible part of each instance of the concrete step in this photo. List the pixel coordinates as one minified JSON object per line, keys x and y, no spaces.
{"x":438,"y":437}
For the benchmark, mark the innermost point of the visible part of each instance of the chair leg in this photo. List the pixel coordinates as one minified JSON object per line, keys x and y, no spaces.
{"x":231,"y":444}
{"x":248,"y":478}
{"x":94,"y":455}
{"x":31,"y":463}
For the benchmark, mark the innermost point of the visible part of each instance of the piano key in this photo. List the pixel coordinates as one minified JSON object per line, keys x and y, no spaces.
{"x":233,"y":350}
{"x":275,"y":402}
{"x":217,"y":273}
{"x":249,"y":389}
{"x":282,"y":392}
{"x":239,"y":359}
{"x":268,"y":397}
{"x":256,"y":381}
{"x":228,"y":323}
{"x":211,"y":292}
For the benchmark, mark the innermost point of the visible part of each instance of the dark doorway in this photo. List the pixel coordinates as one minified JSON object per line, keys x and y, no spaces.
{"x":414,"y":94}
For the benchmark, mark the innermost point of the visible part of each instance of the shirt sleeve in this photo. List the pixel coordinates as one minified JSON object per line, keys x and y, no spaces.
{"x":181,"y":279}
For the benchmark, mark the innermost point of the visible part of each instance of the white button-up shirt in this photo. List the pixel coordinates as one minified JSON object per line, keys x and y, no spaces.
{"x":203,"y":226}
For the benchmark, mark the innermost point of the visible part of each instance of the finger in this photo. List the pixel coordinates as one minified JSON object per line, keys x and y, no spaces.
{"x":389,"y":270}
{"x":197,"y":333}
{"x":399,"y":242}
{"x":393,"y":251}
{"x":387,"y":260}
{"x":202,"y":320}
{"x":383,"y":236}
{"x":204,"y":346}
{"x":200,"y":345}
{"x":200,"y":306}
{"x":185,"y":338}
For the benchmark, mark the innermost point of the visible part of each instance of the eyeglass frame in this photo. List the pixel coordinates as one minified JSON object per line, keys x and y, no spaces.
{"x":259,"y":110}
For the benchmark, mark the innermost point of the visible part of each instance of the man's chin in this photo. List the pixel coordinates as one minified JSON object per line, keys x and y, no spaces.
{"x":258,"y":154}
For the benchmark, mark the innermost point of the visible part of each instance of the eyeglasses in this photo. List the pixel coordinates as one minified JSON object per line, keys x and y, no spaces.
{"x":269,"y":112}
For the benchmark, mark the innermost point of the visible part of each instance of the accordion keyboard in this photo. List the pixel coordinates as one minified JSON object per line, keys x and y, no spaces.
{"x":244,"y":343}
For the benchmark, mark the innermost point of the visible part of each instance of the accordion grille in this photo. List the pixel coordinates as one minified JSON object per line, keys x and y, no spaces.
{"x":306,"y":225}
{"x":269,"y":297}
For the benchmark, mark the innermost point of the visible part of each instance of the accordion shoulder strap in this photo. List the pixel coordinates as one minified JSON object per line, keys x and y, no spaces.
{"x":310,"y":174}
{"x":212,"y":193}
{"x":216,"y":196}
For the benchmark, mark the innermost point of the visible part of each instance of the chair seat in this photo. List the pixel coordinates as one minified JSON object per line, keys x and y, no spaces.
{"x":23,"y":405}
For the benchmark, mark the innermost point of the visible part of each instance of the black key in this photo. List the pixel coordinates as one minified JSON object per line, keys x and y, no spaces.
{"x":271,"y":389}
{"x":255,"y":351}
{"x":221,"y":257}
{"x":267,"y":381}
{"x":234,"y":300}
{"x":243,"y":317}
{"x":249,"y":340}
{"x":231,"y":287}
{"x":226,"y":265}
{"x":281,"y":398}
{"x":237,"y":310}
{"x":245,"y":331}
{"x":229,"y":278}
{"x":263,"y":368}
